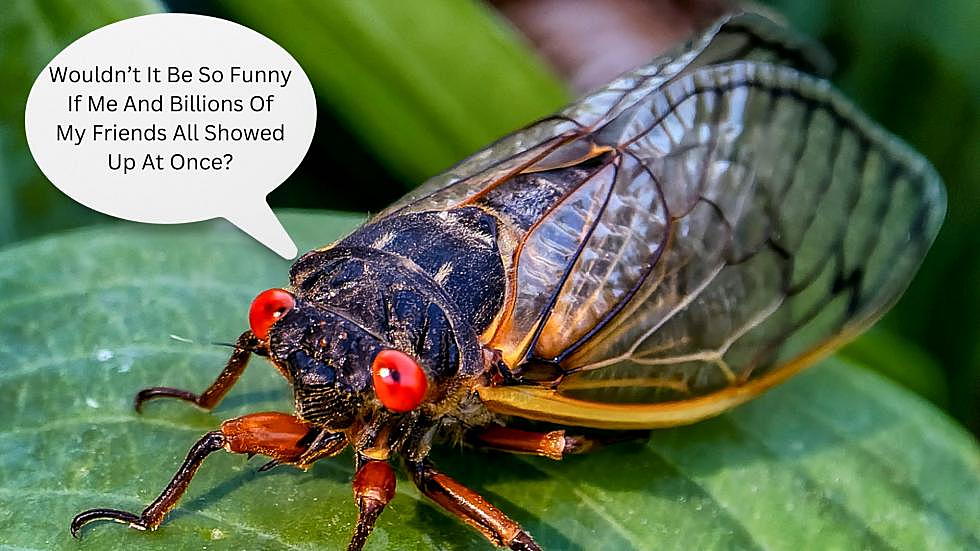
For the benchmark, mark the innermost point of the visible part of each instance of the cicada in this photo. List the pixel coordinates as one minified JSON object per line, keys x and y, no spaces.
{"x":658,"y":252}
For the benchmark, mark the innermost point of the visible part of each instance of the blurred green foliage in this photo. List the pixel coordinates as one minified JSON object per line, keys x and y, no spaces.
{"x":405,"y":92}
{"x":422,"y":88}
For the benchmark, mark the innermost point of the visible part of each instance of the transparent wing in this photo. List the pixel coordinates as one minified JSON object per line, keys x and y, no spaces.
{"x":695,"y":231}
{"x":742,"y":36}
{"x":751,"y":216}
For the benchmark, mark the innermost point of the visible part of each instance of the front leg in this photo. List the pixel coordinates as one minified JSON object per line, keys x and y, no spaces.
{"x":280,"y":436}
{"x":471,"y":508}
{"x":324,"y":444}
{"x":244,"y":346}
{"x":374,"y":486}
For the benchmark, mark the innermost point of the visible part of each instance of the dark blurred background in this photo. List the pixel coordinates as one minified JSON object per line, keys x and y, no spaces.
{"x":405,"y":89}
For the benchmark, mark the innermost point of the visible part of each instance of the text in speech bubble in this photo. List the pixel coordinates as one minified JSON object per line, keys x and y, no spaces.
{"x":174,"y":118}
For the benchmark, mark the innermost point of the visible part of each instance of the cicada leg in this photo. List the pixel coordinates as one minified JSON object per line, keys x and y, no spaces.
{"x":278,"y":435}
{"x":244,"y":346}
{"x":324,"y":444}
{"x":553,"y":444}
{"x":374,"y":486}
{"x":472,"y":509}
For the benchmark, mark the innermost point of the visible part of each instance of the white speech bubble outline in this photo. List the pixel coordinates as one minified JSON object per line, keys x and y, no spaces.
{"x":236,"y":193}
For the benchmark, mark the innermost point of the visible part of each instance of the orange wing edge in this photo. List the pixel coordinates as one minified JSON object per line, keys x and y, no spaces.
{"x":543,"y":404}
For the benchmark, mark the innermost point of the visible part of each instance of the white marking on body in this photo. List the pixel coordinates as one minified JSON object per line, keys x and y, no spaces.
{"x":384,"y":240}
{"x":444,"y":271}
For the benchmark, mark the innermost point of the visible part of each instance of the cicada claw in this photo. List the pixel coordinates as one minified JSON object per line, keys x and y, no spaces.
{"x":115,"y":515}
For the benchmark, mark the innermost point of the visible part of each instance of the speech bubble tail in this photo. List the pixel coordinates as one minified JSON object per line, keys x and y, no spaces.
{"x":258,"y":220}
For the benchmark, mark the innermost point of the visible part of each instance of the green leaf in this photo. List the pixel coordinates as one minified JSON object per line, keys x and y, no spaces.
{"x":837,"y":458}
{"x":900,"y":360}
{"x":423,"y":88}
{"x":31,"y":33}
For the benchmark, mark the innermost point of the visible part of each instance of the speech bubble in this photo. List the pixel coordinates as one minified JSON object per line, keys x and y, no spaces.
{"x":174,"y":118}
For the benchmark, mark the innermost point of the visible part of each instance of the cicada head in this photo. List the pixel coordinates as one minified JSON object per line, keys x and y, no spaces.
{"x":351,"y":370}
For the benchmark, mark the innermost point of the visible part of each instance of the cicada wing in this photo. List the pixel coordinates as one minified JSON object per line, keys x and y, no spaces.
{"x":752,"y":217}
{"x":740,"y":37}
{"x":794,"y":220}
{"x":744,"y":36}
{"x":694,"y":232}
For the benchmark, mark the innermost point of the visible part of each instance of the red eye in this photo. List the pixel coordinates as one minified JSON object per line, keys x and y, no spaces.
{"x":267,"y":308}
{"x":399,"y":382}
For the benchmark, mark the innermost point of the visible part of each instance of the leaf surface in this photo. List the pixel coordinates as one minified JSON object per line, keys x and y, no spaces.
{"x":837,"y":458}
